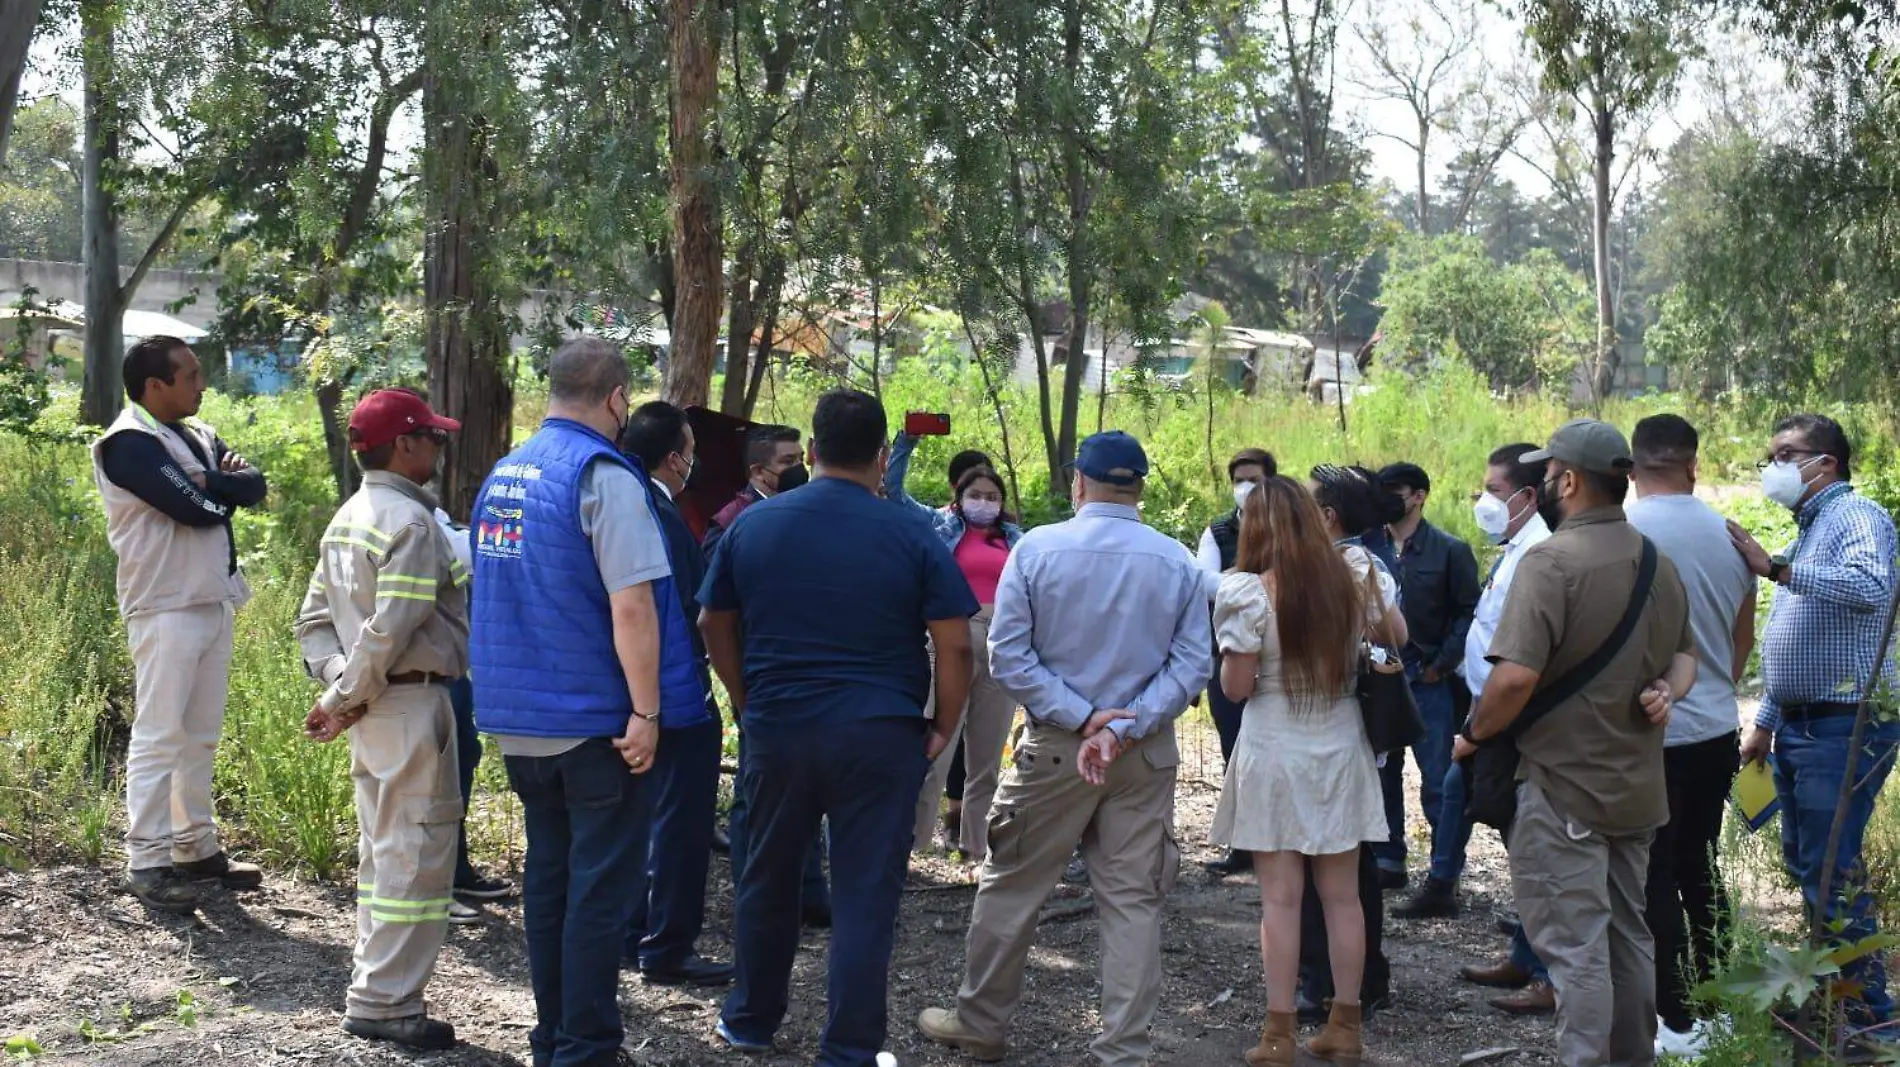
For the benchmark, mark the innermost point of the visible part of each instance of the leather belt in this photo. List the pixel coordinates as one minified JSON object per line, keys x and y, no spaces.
{"x":419,"y":678}
{"x":1818,"y":710}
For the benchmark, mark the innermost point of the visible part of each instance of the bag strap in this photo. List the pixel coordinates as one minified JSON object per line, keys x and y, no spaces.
{"x":1572,"y":681}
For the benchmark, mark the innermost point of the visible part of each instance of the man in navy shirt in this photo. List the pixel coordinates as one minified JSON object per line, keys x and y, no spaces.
{"x":814,"y":610}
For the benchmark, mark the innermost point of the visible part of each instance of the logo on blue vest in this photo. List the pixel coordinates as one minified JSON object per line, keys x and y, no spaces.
{"x":498,"y":534}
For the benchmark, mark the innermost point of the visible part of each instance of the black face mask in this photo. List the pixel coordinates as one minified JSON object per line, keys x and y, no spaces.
{"x":792,"y":477}
{"x":1549,"y":506}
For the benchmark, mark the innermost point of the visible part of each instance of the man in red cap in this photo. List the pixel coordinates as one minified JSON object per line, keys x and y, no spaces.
{"x":385,"y":628}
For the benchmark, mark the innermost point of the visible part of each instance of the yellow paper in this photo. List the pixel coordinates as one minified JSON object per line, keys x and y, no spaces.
{"x":1754,"y":794}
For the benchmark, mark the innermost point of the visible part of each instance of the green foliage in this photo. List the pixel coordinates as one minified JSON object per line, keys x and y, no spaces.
{"x":1518,"y":325}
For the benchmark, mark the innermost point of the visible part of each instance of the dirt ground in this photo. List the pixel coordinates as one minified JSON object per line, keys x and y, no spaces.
{"x":258,"y":978}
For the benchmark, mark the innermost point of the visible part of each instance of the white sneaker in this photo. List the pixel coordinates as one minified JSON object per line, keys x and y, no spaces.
{"x":1689,"y":1046}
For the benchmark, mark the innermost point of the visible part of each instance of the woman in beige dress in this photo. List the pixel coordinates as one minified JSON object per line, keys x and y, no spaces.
{"x":1302,"y":786}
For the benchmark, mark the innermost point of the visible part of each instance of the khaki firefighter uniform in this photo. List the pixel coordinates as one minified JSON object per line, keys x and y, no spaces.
{"x":385,"y":627}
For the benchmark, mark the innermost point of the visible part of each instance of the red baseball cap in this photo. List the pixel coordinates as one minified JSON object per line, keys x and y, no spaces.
{"x":387,"y":414}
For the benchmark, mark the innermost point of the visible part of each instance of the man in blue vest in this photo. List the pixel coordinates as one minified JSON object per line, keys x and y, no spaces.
{"x":670,"y":911}
{"x":815,"y":609}
{"x":579,"y":649}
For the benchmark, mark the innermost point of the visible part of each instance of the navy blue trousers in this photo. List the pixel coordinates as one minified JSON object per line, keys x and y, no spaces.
{"x":669,"y":908}
{"x":864,"y":779}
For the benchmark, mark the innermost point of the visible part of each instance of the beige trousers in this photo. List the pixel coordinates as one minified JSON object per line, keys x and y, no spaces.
{"x":1126,"y":831}
{"x":1580,"y":894}
{"x":408,"y":807}
{"x":181,"y":662}
{"x":982,"y":731}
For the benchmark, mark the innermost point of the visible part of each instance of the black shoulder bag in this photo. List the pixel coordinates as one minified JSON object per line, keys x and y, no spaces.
{"x":1492,"y":772}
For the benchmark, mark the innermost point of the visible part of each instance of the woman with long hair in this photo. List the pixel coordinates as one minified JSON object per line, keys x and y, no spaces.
{"x":1302,"y":786}
{"x":979,"y":533}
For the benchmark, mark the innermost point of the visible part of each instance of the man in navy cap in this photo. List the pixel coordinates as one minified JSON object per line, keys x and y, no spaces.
{"x":1118,"y":643}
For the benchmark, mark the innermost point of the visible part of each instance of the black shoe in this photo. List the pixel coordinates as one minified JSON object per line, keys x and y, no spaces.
{"x":816,"y":916}
{"x":1391,"y":881}
{"x":722,"y":842}
{"x":1235,"y":862}
{"x":695,"y":971}
{"x":232,"y":874}
{"x":1434,"y":900}
{"x":485,"y":889}
{"x":162,"y":888}
{"x":412,"y":1031}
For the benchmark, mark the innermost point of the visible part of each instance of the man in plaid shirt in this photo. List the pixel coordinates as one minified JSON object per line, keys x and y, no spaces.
{"x":1834,"y":588}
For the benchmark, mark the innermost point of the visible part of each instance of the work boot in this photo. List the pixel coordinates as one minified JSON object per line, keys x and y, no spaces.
{"x":943,"y":1026}
{"x":1501,"y":975}
{"x":411,"y":1031}
{"x":1537,"y":998}
{"x":232,"y":874}
{"x":1343,"y":1040}
{"x":1276,"y":1042}
{"x":161,"y":888}
{"x":1436,"y":899}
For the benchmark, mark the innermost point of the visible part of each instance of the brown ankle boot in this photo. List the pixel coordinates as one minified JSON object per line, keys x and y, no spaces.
{"x":1276,"y":1042}
{"x":1343,"y":1040}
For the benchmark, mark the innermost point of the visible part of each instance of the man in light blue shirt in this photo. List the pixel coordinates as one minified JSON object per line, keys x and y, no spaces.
{"x":1101,"y":630}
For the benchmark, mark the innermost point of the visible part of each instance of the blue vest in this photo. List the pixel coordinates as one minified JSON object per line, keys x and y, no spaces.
{"x":541,"y":640}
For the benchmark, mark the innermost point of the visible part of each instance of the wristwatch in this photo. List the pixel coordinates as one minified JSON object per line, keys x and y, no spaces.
{"x":1777,"y":567}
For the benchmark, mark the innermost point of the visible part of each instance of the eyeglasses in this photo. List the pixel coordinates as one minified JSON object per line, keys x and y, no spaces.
{"x":440,"y":437}
{"x":1786,"y":455}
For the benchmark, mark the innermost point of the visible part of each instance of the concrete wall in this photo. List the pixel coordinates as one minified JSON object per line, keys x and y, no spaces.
{"x":67,"y":281}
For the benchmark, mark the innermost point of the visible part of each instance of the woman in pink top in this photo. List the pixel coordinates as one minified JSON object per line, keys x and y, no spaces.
{"x":980,"y":534}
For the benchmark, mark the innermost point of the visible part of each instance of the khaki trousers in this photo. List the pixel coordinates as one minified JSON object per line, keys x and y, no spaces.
{"x":1580,"y":894}
{"x":982,"y":731}
{"x":1126,"y":831}
{"x":181,"y":663}
{"x":408,"y":808}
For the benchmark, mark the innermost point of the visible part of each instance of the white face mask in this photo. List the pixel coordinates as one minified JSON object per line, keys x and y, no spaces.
{"x":981,"y":512}
{"x":1243,"y":490}
{"x":1494,"y":517}
{"x":1783,"y":484}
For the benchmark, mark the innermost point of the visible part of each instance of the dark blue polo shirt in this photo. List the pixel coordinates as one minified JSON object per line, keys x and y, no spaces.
{"x":833,"y":587}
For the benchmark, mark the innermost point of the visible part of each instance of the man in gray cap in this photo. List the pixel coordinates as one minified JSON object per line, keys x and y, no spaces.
{"x":1118,"y":642}
{"x":1593,"y":645}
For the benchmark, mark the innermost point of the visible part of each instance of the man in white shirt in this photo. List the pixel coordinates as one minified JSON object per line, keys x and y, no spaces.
{"x":1507,"y":512}
{"x":1220,"y":543}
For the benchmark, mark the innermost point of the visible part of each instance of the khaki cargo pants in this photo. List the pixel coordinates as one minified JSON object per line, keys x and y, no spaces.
{"x":1580,"y":894}
{"x":181,"y":660}
{"x":1126,"y":830}
{"x":409,"y":809}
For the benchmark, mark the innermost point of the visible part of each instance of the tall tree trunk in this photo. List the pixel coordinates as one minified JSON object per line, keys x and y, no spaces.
{"x":336,"y":438}
{"x":1603,"y":374}
{"x":742,"y":313}
{"x":1424,"y":183}
{"x":693,"y":48}
{"x":100,"y":395}
{"x":18,"y":20}
{"x":1080,"y":265}
{"x":467,"y":344}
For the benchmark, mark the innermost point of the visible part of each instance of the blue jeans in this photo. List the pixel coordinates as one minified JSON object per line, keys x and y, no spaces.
{"x":864,"y":778}
{"x":586,"y":819}
{"x":1433,"y":754}
{"x":1451,"y":834}
{"x":468,"y":756}
{"x":1810,"y":759}
{"x":813,"y":889}
{"x":669,"y":905}
{"x":1525,"y":956}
